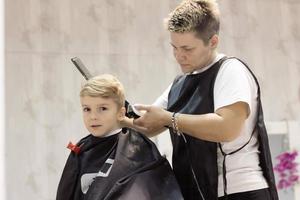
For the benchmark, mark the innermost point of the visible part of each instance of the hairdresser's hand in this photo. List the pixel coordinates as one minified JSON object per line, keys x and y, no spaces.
{"x":128,"y":123}
{"x":154,"y":119}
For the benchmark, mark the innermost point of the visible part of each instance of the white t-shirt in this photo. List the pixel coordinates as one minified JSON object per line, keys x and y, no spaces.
{"x":234,"y":83}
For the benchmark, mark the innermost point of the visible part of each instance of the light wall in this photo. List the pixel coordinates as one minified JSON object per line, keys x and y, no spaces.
{"x":2,"y":108}
{"x":266,"y":34}
{"x":125,"y":38}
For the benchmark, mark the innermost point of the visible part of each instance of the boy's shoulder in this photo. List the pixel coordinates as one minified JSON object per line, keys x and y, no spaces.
{"x":141,"y":144}
{"x":83,"y":140}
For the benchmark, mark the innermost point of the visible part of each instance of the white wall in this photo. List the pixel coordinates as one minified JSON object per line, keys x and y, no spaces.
{"x":2,"y":109}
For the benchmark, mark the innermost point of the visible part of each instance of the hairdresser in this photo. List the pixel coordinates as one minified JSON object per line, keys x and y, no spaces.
{"x":220,"y":145}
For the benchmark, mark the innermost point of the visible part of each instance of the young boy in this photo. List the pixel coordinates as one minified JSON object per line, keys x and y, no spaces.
{"x":109,"y":164}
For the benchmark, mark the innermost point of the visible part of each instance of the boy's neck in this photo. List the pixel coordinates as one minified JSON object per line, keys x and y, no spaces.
{"x":113,"y":132}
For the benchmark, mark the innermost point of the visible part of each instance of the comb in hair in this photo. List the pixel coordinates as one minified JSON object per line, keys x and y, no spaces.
{"x":82,"y":69}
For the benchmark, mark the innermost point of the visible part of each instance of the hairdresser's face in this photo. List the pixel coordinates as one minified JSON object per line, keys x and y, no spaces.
{"x":101,"y":115}
{"x":190,"y":52}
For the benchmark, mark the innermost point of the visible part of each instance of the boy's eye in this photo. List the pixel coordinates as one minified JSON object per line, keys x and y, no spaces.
{"x":86,"y":109}
{"x":102,"y":108}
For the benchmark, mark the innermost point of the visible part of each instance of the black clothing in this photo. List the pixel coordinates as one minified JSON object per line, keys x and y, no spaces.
{"x":197,"y":159}
{"x":130,"y":168}
{"x":262,"y":194}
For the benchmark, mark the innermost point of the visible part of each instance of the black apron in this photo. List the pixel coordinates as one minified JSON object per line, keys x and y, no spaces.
{"x":128,"y":166}
{"x":195,"y":162}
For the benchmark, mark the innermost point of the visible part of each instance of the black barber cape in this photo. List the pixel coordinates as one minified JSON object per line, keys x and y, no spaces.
{"x":123,"y":166}
{"x":195,"y":161}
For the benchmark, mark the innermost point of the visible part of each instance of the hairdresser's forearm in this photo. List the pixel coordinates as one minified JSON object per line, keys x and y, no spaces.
{"x":223,"y":126}
{"x":209,"y":127}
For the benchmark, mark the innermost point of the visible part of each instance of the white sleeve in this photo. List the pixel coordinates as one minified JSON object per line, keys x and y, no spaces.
{"x":162,"y":100}
{"x":234,"y":83}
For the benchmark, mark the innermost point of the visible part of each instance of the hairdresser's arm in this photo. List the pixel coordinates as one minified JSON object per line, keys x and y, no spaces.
{"x":222,"y":126}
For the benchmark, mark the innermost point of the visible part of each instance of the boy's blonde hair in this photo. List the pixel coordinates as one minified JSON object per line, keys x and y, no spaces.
{"x":106,"y":86}
{"x":199,"y":16}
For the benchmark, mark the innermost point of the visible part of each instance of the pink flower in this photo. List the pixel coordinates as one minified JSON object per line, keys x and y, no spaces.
{"x":293,"y":178}
{"x":283,"y":184}
{"x":287,"y":169}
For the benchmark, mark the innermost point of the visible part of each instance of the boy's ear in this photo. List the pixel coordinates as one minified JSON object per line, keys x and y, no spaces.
{"x":121,"y":114}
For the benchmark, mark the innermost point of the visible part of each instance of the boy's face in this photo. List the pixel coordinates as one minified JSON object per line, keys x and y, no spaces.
{"x":190,"y":52}
{"x":101,"y":115}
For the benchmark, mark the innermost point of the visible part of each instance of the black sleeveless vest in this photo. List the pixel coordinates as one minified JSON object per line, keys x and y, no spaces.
{"x":197,"y":159}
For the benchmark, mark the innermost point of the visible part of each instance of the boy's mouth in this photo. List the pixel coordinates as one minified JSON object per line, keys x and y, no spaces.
{"x":95,"y":126}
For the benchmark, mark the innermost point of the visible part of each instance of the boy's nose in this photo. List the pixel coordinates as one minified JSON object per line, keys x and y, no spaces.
{"x":93,"y":115}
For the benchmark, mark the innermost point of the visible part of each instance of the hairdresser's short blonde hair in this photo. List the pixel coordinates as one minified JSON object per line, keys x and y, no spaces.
{"x":106,"y":86}
{"x":199,"y":16}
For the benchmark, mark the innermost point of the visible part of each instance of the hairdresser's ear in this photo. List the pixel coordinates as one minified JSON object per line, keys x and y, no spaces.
{"x":214,"y":41}
{"x":121,"y":114}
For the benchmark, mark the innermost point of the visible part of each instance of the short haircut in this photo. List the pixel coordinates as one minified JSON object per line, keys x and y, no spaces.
{"x":199,"y":16}
{"x":105,"y":86}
